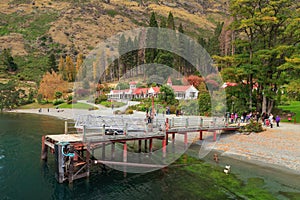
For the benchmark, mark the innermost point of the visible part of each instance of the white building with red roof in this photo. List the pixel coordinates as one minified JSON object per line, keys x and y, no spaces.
{"x":181,"y":92}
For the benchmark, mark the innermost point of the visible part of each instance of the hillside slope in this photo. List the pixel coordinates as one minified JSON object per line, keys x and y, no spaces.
{"x":33,"y":29}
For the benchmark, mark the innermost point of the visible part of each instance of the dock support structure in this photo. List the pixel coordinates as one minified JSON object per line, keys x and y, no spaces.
{"x":201,"y":135}
{"x":44,"y":153}
{"x":150,"y":146}
{"x":59,"y":161}
{"x":185,"y":140}
{"x":215,"y":136}
{"x":164,"y":147}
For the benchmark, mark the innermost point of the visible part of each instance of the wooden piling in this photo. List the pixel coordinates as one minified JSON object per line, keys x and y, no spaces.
{"x":71,"y":165}
{"x":145,"y":145}
{"x":125,"y":152}
{"x":66,"y":127}
{"x":112,"y":151}
{"x":164,"y":147}
{"x":103,"y":151}
{"x":150,"y":145}
{"x":59,"y":162}
{"x":215,"y":135}
{"x":200,"y":135}
{"x":88,"y":155}
{"x":185,"y":140}
{"x":44,"y":153}
{"x":140,"y":146}
{"x":173,"y":137}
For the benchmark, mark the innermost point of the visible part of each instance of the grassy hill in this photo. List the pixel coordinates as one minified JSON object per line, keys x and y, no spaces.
{"x":34,"y":29}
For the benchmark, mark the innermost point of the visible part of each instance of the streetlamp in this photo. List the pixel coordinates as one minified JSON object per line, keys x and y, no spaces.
{"x":233,"y":107}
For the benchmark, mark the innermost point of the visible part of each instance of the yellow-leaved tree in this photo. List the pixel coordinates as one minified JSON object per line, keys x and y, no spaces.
{"x":70,"y":68}
{"x":52,"y":83}
{"x":79,"y":62}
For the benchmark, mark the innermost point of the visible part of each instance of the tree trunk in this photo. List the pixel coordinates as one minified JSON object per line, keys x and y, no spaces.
{"x":264,"y":104}
{"x":250,"y":91}
{"x":270,"y":105}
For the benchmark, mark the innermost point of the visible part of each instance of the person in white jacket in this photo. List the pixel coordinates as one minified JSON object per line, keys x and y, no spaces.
{"x":271,"y":120}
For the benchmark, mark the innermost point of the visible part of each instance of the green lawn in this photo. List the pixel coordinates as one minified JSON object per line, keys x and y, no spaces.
{"x":77,"y":106}
{"x":36,"y":106}
{"x":63,"y":105}
{"x":293,"y":107}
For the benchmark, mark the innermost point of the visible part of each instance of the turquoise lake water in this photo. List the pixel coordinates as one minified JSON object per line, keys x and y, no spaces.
{"x":24,"y":176}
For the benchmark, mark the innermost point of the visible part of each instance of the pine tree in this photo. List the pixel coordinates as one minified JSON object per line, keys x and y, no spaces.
{"x":163,"y":23}
{"x":8,"y":60}
{"x":170,"y":21}
{"x":52,"y":63}
{"x":180,"y":28}
{"x":151,"y":40}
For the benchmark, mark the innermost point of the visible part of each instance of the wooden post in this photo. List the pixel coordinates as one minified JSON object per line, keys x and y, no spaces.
{"x":140,"y":146}
{"x":145,"y":145}
{"x":103,"y":129}
{"x":71,"y":166}
{"x":59,"y":162}
{"x":164,"y":147}
{"x":88,"y":154}
{"x":186,"y":122}
{"x":201,"y":135}
{"x":173,"y":137}
{"x":44,"y":153}
{"x":83,"y":135}
{"x":185,"y":140}
{"x":125,"y":157}
{"x":150,"y":146}
{"x":125,"y":129}
{"x":112,"y":151}
{"x":66,"y":127}
{"x":103,"y":151}
{"x":215,"y":135}
{"x":201,"y":122}
{"x":125,"y":152}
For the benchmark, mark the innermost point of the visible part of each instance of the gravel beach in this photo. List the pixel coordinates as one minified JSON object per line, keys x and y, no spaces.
{"x":276,"y":147}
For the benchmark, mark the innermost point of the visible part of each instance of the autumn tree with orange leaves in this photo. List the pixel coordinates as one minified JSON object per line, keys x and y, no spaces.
{"x":52,"y":83}
{"x":194,"y":80}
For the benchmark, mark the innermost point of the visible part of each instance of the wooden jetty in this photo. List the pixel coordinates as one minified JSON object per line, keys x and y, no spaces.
{"x":75,"y":152}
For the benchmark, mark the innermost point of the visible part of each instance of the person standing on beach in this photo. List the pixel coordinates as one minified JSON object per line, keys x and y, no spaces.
{"x":277,"y":119}
{"x":271,"y":120}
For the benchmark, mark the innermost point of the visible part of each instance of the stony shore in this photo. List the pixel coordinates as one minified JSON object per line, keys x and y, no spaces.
{"x":277,"y":147}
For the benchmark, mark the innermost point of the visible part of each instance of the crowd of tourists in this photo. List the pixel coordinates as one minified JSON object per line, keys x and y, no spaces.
{"x":265,"y":118}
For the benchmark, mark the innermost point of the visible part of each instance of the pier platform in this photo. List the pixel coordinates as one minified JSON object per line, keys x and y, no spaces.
{"x":76,"y":153}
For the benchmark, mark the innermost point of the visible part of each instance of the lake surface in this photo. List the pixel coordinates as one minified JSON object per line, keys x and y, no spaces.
{"x":24,"y":176}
